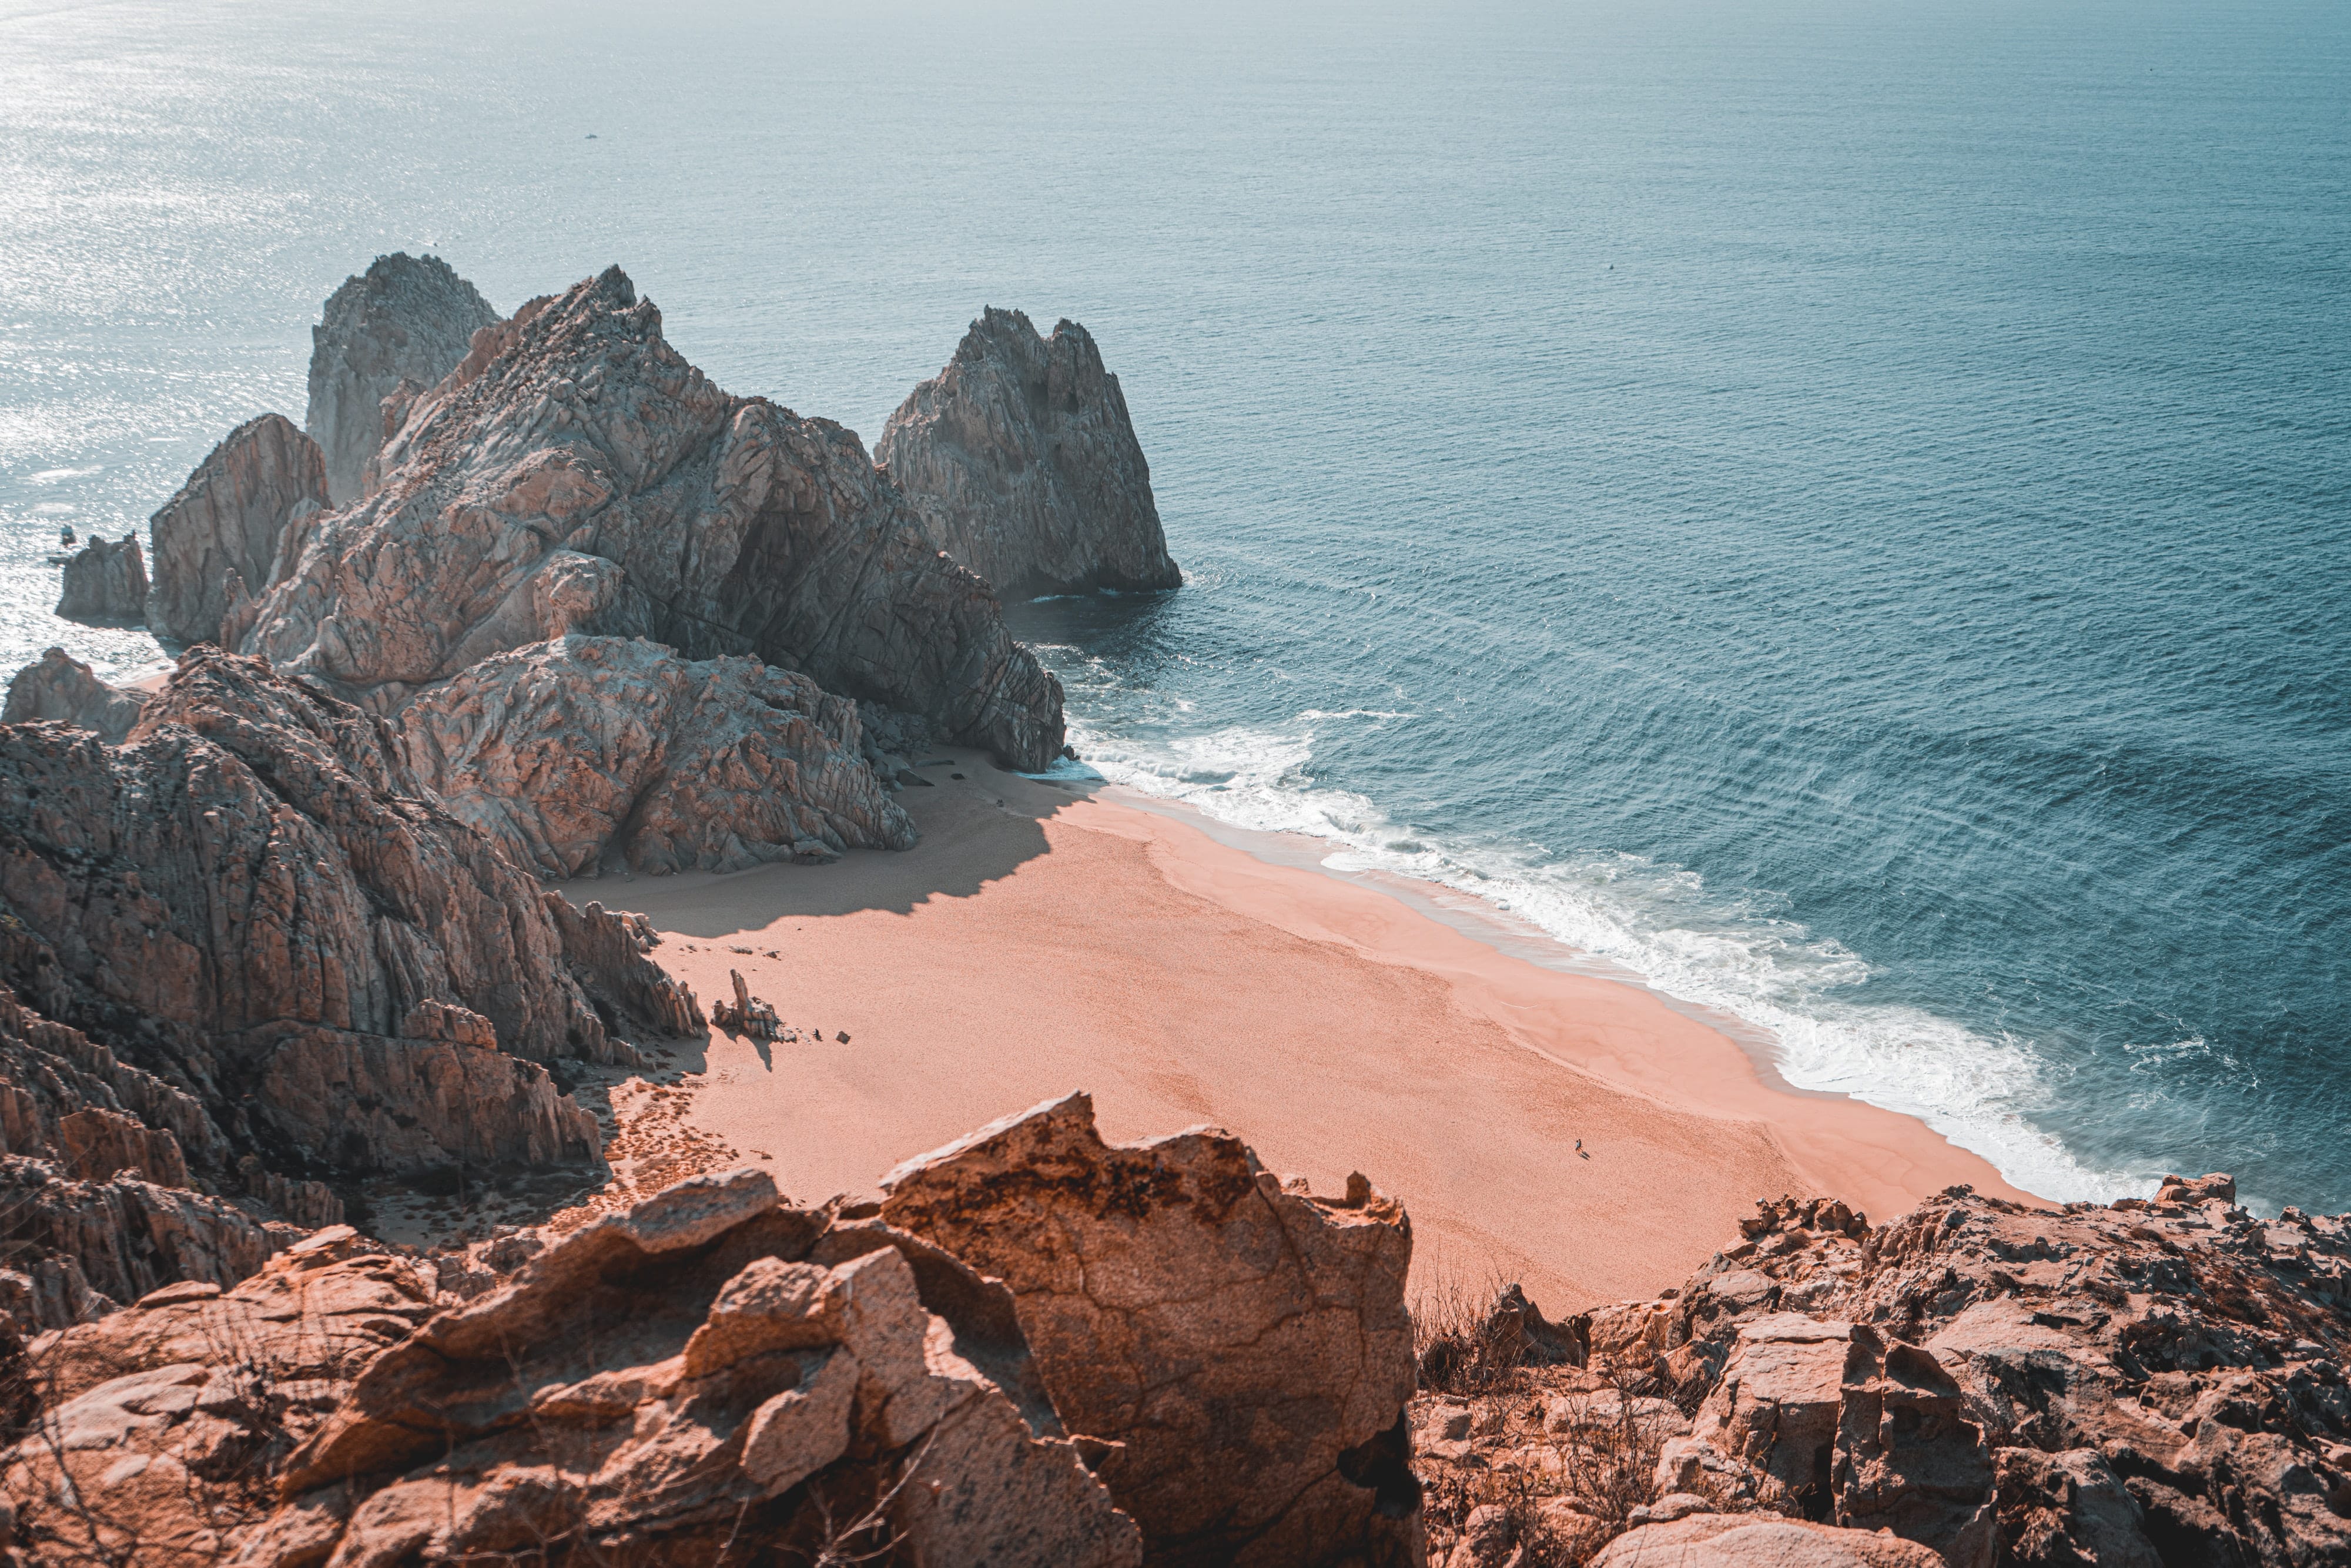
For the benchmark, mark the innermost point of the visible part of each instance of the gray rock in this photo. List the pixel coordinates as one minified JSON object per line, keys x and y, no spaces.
{"x":1023,"y":464}
{"x":220,"y":539}
{"x":575,"y":474}
{"x":62,"y":688}
{"x":254,"y":898}
{"x":405,"y":319}
{"x":567,"y":750}
{"x":105,"y":583}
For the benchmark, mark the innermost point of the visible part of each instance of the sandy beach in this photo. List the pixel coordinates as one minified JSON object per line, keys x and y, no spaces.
{"x":1043,"y":938}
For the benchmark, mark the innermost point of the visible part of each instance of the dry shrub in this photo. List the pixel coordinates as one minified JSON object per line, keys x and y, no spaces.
{"x":1457,"y":1353}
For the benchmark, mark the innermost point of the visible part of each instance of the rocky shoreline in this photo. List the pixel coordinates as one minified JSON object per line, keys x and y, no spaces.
{"x":528,"y":599}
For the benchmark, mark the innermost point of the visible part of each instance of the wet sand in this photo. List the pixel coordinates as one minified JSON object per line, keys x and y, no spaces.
{"x":1041,"y":939}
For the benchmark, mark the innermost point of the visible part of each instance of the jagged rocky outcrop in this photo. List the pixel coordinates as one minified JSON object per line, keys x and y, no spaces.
{"x":1246,"y":1347}
{"x":575,"y":474}
{"x":715,"y":1374}
{"x":105,"y":583}
{"x":572,"y":750}
{"x":407,"y":318}
{"x":60,"y":687}
{"x":1022,"y":463}
{"x":253,"y":901}
{"x":2138,"y":1383}
{"x":231,"y":529}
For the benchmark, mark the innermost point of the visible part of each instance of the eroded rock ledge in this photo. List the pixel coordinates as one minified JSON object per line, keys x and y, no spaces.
{"x":714,"y":1374}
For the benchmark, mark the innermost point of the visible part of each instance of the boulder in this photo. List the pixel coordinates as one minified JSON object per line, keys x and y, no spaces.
{"x":1248,"y":1347}
{"x":62,"y":688}
{"x":1022,"y":464}
{"x":105,"y":583}
{"x":232,"y":528}
{"x":406,"y":319}
{"x":1907,"y":1459}
{"x":575,"y":474}
{"x":1759,"y":1540}
{"x":707,"y":1367}
{"x":569,"y":751}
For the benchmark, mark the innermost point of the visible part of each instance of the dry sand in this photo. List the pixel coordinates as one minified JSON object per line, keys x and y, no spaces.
{"x":1041,"y":940}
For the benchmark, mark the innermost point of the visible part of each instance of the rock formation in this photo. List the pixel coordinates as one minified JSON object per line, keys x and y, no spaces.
{"x":573,"y":472}
{"x":1022,"y":463}
{"x":62,"y":688}
{"x":567,"y":750}
{"x":1246,"y":1347}
{"x":714,"y":1374}
{"x":233,"y":527}
{"x":405,"y":319}
{"x":105,"y":583}
{"x":266,"y":942}
{"x":2136,"y":1384}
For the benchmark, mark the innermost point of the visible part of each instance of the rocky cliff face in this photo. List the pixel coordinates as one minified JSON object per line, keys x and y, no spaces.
{"x":406,"y":319}
{"x":716,"y":1376}
{"x":62,"y":688}
{"x":575,"y":474}
{"x":310,"y":964}
{"x":105,"y":583}
{"x":571,"y":750}
{"x":2143,"y":1383}
{"x":1023,"y":466}
{"x":218,"y":541}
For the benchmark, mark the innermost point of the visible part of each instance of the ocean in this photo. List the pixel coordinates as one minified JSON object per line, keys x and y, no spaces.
{"x":1842,"y":509}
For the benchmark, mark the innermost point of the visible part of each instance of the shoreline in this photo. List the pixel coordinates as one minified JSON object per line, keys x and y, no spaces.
{"x":1046,"y":936}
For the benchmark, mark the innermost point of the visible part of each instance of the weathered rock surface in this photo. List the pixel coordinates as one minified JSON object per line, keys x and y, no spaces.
{"x":406,"y":319}
{"x":713,"y":1374}
{"x":1759,"y":1540}
{"x":1023,"y":464}
{"x":573,"y":472}
{"x":254,"y":904}
{"x":570,"y":751}
{"x":105,"y":583}
{"x":62,"y":688}
{"x":1247,"y":1346}
{"x":231,"y":527}
{"x":2130,"y":1384}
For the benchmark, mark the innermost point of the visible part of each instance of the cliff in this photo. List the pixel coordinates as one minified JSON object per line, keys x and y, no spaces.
{"x":1022,"y":464}
{"x":405,"y":319}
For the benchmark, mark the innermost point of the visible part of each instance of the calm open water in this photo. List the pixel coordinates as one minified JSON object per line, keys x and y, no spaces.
{"x":1844,"y":509}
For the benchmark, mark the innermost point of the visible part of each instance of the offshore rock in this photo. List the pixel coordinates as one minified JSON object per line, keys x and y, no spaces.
{"x":62,"y":688}
{"x":571,"y":750}
{"x":256,"y":902}
{"x":405,"y":319}
{"x":105,"y":583}
{"x":231,"y":527}
{"x":2126,"y":1383}
{"x":1022,"y":462}
{"x":1248,"y":1347}
{"x":575,"y":474}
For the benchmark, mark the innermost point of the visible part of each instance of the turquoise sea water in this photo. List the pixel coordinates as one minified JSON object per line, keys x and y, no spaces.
{"x":1843,"y":508}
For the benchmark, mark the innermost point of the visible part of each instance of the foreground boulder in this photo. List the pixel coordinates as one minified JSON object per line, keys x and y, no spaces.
{"x":225,"y":536}
{"x":406,"y":320}
{"x":713,"y":1374}
{"x":2130,"y":1384}
{"x":1752,"y":1541}
{"x":1248,"y":1347}
{"x":255,"y":901}
{"x":574,"y":474}
{"x":62,"y":688}
{"x":105,"y":583}
{"x":1022,"y":463}
{"x":571,"y":750}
